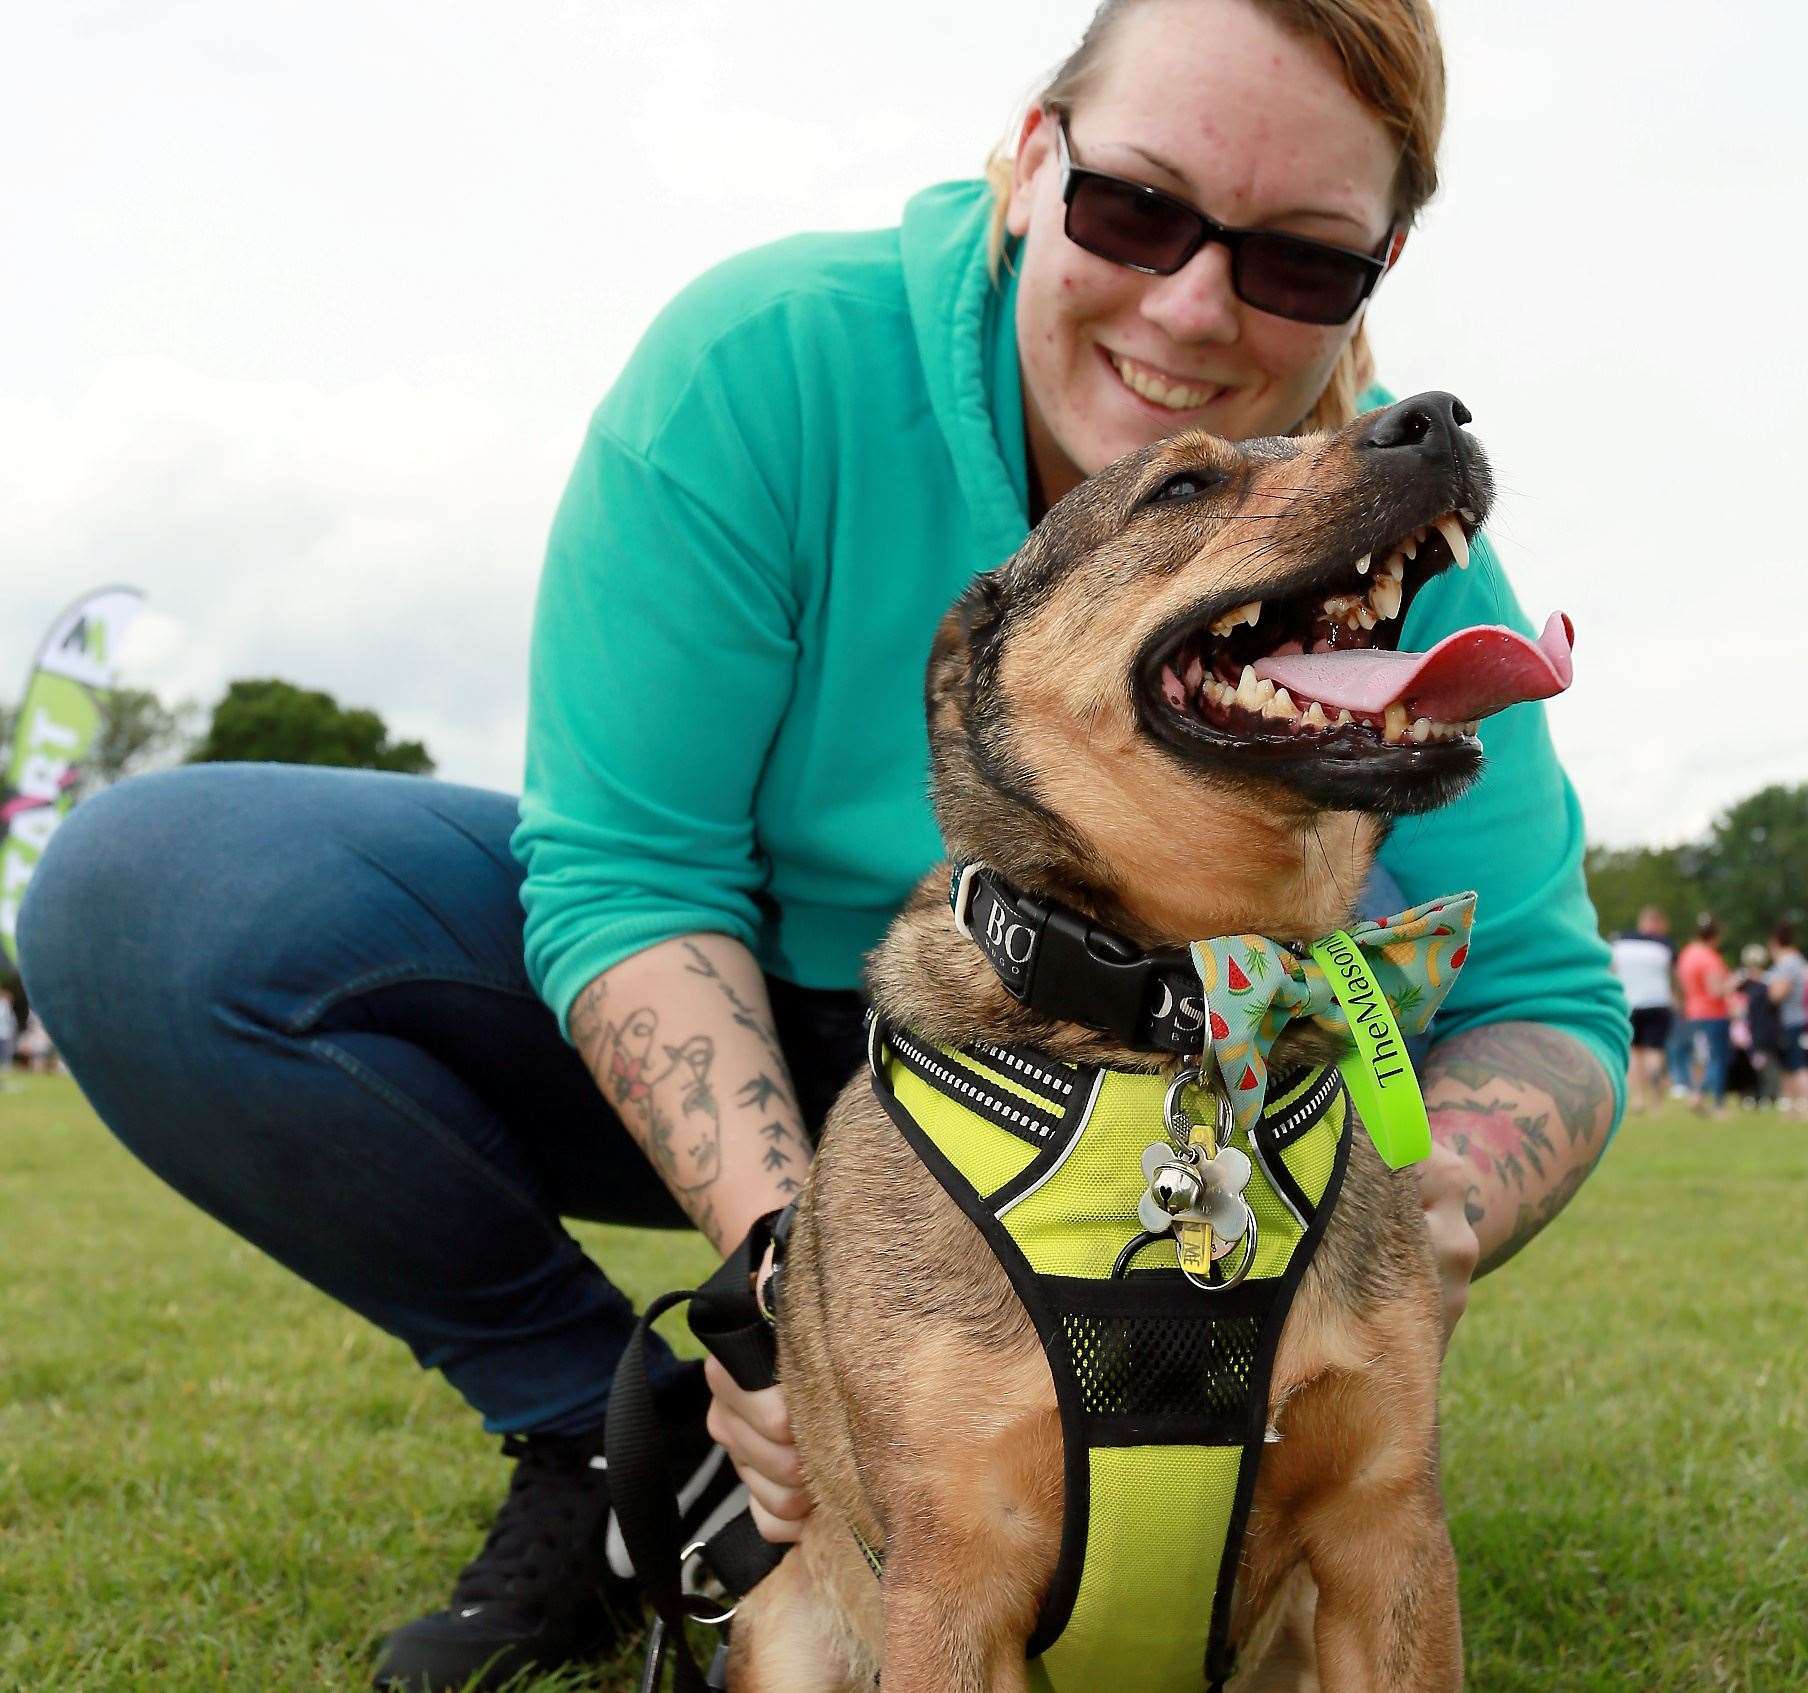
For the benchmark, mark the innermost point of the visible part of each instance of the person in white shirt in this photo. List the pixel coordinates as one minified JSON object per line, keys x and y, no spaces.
{"x":1787,"y":980}
{"x":1643,"y":961}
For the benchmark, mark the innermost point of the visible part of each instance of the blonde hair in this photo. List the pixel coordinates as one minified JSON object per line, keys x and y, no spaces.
{"x":1392,"y":62}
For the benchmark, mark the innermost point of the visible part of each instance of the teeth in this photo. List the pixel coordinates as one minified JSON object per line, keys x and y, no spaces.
{"x":1249,"y":690}
{"x":1394,"y":723}
{"x":1366,"y":617}
{"x":1395,"y":567}
{"x":1385,"y":597}
{"x":1315,"y":716}
{"x":1176,"y":396}
{"x":1362,"y":564}
{"x":1421,"y":730}
{"x":1466,"y":515}
{"x":1410,"y":546}
{"x":1236,"y":616}
{"x":1337,"y":604}
{"x":1452,"y":531}
{"x":1343,"y":716}
{"x":1280,"y":706}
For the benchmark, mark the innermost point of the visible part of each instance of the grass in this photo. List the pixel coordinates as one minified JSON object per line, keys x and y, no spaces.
{"x":212,"y":1477}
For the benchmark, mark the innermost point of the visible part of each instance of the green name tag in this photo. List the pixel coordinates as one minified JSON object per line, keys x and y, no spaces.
{"x":1379,"y":1074}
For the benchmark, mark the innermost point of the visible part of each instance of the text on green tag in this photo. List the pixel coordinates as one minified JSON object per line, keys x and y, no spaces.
{"x":1379,"y":1074}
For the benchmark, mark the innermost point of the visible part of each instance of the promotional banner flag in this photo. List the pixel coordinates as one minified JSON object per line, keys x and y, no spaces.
{"x":59,"y":719}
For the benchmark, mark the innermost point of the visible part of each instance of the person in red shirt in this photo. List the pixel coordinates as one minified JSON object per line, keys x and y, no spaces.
{"x":1705,"y":982}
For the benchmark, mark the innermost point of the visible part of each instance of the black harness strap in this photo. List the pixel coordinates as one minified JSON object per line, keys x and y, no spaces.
{"x":725,"y":1317}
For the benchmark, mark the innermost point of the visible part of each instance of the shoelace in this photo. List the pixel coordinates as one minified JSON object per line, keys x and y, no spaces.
{"x":545,"y":1547}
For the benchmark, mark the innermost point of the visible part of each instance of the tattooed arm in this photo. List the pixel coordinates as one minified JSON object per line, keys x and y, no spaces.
{"x":1519,"y":1115}
{"x":681,"y":1041}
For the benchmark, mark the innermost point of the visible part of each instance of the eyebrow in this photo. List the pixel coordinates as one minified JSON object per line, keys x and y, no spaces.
{"x":1174,"y":175}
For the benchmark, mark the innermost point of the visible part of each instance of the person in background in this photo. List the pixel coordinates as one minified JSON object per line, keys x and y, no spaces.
{"x":1705,"y":981}
{"x":9,"y":1035}
{"x":1643,"y":960}
{"x":1758,"y":1023}
{"x":1787,"y":983}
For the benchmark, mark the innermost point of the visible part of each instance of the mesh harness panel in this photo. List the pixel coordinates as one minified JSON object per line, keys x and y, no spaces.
{"x":1162,"y":1387}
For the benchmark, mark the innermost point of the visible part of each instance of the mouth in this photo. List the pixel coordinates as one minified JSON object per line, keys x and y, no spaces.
{"x":1307,"y":684}
{"x":1161,"y":389}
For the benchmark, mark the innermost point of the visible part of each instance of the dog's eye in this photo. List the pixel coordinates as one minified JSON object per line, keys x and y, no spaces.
{"x":1183,"y":485}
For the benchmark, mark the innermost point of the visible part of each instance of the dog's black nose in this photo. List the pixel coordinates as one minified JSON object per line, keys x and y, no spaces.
{"x":1427,"y":424}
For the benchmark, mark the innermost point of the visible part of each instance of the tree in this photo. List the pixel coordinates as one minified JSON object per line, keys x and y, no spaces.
{"x":280,"y":723}
{"x":1622,"y":881}
{"x":1754,"y":863}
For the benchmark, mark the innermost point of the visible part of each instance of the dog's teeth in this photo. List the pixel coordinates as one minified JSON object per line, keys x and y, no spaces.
{"x":1362,"y":564}
{"x":1249,"y":690}
{"x":1421,"y":730}
{"x":1396,"y":567}
{"x":1452,"y":531}
{"x":1394,"y":722}
{"x":1366,"y":617}
{"x":1470,"y":728}
{"x":1236,"y":616}
{"x":1343,"y":716}
{"x":1315,"y":716}
{"x":1281,"y":705}
{"x":1467,"y":516}
{"x":1410,"y":546}
{"x":1338,"y":604}
{"x":1385,"y":597}
{"x":1265,"y":690}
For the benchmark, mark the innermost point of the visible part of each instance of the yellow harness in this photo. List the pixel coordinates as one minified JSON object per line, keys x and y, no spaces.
{"x":1162,"y":1386}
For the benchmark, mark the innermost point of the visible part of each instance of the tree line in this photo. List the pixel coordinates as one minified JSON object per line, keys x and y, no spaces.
{"x":260,"y":720}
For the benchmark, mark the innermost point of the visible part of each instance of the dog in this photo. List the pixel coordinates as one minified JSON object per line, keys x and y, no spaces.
{"x":1102,"y":737}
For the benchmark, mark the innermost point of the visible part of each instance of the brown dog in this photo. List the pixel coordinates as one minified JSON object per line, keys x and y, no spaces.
{"x":1090,"y":744}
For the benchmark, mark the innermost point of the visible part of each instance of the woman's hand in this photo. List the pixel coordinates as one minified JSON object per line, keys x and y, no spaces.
{"x":1443,"y":1190}
{"x":756,"y":1430}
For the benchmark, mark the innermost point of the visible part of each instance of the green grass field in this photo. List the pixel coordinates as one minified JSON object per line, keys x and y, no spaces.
{"x":211,"y":1477}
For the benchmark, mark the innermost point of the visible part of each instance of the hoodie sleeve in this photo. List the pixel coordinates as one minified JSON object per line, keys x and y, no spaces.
{"x":1517,"y":838}
{"x":663,"y":649}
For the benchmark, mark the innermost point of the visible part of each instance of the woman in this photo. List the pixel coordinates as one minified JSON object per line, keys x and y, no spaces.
{"x":807,"y":458}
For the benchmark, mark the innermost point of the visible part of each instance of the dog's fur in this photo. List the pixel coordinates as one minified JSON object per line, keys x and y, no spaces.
{"x":920,"y":1396}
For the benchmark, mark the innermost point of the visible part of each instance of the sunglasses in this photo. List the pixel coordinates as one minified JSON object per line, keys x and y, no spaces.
{"x":1147,"y":230}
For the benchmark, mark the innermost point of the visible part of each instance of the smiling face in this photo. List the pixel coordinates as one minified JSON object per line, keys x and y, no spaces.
{"x":1211,"y":101}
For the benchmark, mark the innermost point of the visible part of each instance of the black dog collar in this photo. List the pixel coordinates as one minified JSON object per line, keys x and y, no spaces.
{"x":1055,"y":961}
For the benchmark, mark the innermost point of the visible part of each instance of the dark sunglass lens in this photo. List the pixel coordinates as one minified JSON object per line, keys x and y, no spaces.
{"x":1116,"y":222}
{"x":1301,"y":279}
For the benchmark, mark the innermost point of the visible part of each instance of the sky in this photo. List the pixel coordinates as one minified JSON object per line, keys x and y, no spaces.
{"x":307,"y":305}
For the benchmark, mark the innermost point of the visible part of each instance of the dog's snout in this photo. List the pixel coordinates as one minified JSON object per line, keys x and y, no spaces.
{"x":1428,"y":425}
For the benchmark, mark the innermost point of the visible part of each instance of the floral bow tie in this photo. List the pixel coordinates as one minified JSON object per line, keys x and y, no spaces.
{"x":1256,"y":986}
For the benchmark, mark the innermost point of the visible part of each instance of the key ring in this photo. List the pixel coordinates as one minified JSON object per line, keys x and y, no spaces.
{"x":1251,"y":1240}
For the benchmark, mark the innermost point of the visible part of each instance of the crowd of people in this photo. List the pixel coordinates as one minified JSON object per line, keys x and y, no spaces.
{"x":1703,"y":1029}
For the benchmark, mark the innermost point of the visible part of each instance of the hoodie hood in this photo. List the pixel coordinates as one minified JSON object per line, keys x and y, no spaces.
{"x":966,"y":335}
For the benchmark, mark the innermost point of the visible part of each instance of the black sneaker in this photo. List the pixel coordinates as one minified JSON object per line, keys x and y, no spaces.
{"x":553,"y":1584}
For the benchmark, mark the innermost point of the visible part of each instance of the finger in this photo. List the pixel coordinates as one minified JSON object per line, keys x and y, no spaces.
{"x":789,"y":1504}
{"x":749,"y":1448}
{"x":775,"y":1529}
{"x":763,"y":1410}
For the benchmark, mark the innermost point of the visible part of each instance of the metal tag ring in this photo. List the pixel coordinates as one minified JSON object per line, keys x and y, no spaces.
{"x":719,"y":1621}
{"x":1251,"y":1240}
{"x":1175,"y":1121}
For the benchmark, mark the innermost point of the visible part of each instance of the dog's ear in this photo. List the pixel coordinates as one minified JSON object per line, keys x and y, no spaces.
{"x":967,"y":630}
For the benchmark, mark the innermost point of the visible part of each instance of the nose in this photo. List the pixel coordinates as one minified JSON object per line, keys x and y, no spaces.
{"x":1428,"y":426}
{"x":1196,"y":303}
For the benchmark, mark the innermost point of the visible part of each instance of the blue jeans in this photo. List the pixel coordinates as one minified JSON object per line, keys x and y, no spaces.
{"x":1716,"y":1034}
{"x":298,"y":996}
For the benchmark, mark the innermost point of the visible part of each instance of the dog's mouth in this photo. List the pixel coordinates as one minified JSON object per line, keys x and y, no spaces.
{"x":1312,"y":673}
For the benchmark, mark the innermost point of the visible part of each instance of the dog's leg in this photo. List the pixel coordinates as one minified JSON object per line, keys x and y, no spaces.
{"x":1387,"y":1596}
{"x":936,"y":1642}
{"x":799,"y":1630}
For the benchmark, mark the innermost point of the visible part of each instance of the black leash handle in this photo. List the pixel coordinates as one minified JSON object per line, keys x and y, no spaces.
{"x":725,"y":1317}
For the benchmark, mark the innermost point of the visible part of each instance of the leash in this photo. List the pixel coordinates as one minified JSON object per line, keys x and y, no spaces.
{"x":726,"y":1318}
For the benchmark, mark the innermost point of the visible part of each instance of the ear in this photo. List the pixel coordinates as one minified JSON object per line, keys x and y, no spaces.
{"x":1035,"y":148}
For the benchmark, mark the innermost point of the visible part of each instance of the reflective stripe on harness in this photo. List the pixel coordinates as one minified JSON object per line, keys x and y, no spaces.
{"x":1162,"y":1386}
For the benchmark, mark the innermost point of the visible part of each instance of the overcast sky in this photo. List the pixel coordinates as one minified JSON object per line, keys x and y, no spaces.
{"x":306,"y":306}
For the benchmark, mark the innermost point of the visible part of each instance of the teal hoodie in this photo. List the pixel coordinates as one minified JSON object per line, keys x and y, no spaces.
{"x":807,"y":458}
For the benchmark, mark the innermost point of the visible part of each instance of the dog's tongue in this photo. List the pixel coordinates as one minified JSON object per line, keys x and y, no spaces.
{"x":1465,"y":676}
